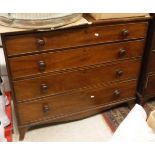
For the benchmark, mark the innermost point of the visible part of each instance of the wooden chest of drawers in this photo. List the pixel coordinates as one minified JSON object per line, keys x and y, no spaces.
{"x":73,"y":73}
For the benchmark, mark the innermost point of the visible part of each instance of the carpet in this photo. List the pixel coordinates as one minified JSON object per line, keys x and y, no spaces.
{"x":91,"y":129}
{"x":115,"y":116}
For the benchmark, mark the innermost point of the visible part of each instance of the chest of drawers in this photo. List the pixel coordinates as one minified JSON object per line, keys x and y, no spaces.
{"x":73,"y":73}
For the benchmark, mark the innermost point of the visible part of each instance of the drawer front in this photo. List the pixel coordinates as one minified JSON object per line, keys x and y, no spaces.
{"x":28,"y":43}
{"x":62,"y":82}
{"x":79,"y":57}
{"x":150,"y":89}
{"x":152,"y":62}
{"x":61,"y":106}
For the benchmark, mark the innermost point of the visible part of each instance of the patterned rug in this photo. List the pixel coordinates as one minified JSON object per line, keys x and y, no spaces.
{"x":115,"y":116}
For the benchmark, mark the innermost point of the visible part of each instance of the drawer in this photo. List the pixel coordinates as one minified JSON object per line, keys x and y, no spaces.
{"x":150,"y":89}
{"x":34,"y":42}
{"x":152,"y":62}
{"x":79,"y":57}
{"x":74,"y":103}
{"x":67,"y":81}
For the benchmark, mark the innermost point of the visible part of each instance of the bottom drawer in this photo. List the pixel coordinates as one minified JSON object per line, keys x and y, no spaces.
{"x":69,"y":104}
{"x":150,"y":89}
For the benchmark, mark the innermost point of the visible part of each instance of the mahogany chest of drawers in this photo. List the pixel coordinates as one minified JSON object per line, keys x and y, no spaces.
{"x":69,"y":74}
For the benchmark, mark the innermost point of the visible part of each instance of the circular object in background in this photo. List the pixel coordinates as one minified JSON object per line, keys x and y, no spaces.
{"x":38,"y":20}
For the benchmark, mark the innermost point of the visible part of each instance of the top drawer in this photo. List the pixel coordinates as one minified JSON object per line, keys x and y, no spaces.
{"x":34,"y":42}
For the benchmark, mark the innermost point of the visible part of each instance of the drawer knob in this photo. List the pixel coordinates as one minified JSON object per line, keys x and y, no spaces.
{"x":119,"y":73}
{"x":40,"y":42}
{"x":125,"y":33}
{"x":44,"y":88}
{"x":45,"y":108}
{"x":121,"y":53}
{"x":42,"y":66}
{"x":117,"y":93}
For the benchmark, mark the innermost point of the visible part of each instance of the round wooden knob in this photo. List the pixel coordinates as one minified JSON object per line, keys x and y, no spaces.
{"x":117,"y":93}
{"x":125,"y":33}
{"x":40,"y":42}
{"x":42,"y":65}
{"x":44,"y":88}
{"x":45,"y":108}
{"x":121,"y":53}
{"x":119,"y":73}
